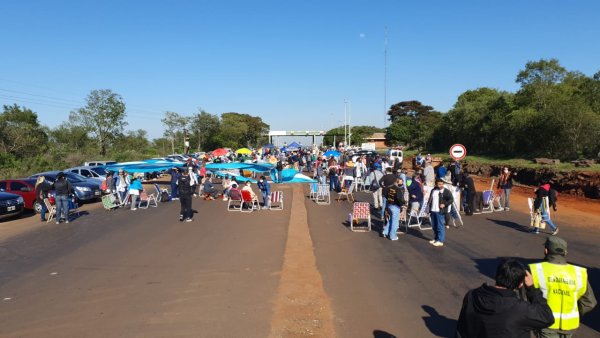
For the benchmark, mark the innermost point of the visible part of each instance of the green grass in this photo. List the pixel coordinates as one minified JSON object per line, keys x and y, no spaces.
{"x":514,"y":163}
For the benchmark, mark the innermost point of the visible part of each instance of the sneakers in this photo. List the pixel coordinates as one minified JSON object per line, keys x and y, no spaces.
{"x":506,"y":209}
{"x":437,"y":243}
{"x":555,"y":232}
{"x":132,"y":209}
{"x":67,"y":222}
{"x":394,"y":239}
{"x":57,"y":222}
{"x":432,"y":241}
{"x":535,"y":231}
{"x":180,"y":218}
{"x":188,"y":219}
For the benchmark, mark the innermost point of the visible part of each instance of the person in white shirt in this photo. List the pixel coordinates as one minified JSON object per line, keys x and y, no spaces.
{"x":440,"y":200}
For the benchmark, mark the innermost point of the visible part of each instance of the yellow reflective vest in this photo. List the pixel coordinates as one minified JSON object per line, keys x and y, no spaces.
{"x":562,"y":286}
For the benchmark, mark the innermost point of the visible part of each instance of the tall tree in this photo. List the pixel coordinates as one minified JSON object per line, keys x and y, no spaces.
{"x":103,"y":117}
{"x":206,"y":127}
{"x":174,"y":124}
{"x":413,"y":123}
{"x":21,"y":133}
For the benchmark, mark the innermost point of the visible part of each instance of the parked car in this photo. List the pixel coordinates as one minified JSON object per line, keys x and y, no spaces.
{"x":98,"y":174}
{"x":97,"y":163}
{"x":85,"y":189}
{"x":10,"y":205}
{"x":24,"y":187}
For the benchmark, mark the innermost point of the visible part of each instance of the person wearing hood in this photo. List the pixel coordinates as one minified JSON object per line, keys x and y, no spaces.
{"x":566,"y":288}
{"x":497,"y":312}
{"x":543,"y":192}
{"x":265,"y":189}
{"x":62,"y":190}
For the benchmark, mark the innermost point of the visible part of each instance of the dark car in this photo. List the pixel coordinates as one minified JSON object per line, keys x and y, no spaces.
{"x":371,"y":153}
{"x":10,"y":205}
{"x":24,"y":187}
{"x":83,"y":188}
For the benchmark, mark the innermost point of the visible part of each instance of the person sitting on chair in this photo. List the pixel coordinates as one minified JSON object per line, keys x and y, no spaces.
{"x":210,"y":192}
{"x":247,"y":187}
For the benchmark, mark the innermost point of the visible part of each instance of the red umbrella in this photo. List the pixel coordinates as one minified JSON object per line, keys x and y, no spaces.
{"x":219,"y":152}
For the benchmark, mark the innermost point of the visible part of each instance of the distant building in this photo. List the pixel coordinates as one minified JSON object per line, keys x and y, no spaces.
{"x":378,"y":139}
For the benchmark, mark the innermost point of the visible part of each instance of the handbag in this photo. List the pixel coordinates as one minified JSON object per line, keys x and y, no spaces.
{"x":536,"y":222}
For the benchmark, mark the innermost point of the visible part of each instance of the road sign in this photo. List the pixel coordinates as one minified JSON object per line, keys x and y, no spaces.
{"x":458,"y":152}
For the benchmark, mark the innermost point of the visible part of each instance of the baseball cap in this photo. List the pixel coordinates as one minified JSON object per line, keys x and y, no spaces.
{"x":556,"y":245}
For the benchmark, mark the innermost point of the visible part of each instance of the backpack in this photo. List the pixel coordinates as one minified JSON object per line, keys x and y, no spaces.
{"x":374,"y":184}
{"x":332,"y":171}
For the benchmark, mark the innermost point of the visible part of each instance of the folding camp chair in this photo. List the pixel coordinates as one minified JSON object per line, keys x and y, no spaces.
{"x":360,"y":211}
{"x":276,"y":202}
{"x":347,"y":192}
{"x":73,"y":206}
{"x":125,"y":200}
{"x":488,"y":198}
{"x":323,"y":194}
{"x":314,"y":188}
{"x":249,"y":202}
{"x":109,"y":202}
{"x":235,"y":201}
{"x":419,"y":216}
{"x":360,"y":183}
{"x":159,"y":192}
{"x":149,"y":199}
{"x":51,"y":209}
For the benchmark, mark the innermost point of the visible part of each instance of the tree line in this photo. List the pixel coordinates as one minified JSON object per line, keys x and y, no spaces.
{"x":97,"y":131}
{"x":555,"y":113}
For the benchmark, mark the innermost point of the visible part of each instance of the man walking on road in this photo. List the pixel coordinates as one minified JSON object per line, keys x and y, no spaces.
{"x":395,"y":198}
{"x":565,"y":287}
{"x":440,"y":201}
{"x":184,"y":188}
{"x":496,"y":311}
{"x":386,"y":181}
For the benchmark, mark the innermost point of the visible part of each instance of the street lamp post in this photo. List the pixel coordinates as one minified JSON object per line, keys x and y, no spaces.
{"x":349,"y":123}
{"x":345,"y":122}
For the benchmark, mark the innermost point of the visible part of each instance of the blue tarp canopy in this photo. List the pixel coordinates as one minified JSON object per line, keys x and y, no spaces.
{"x":291,"y":176}
{"x":293,"y":146}
{"x":145,"y":166}
{"x":333,"y":153}
{"x":257,"y":167}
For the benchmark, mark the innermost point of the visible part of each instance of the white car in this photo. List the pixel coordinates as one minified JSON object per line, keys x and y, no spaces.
{"x":396,"y":153}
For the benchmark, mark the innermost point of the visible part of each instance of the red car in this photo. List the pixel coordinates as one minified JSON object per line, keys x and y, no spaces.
{"x":25,"y":188}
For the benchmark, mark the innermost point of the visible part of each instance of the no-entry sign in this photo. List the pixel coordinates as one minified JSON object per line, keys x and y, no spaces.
{"x":458,"y":152}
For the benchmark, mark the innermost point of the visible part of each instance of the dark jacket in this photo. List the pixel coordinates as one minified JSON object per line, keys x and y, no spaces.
{"x":387,"y":180}
{"x":62,"y":187}
{"x":394,"y":195}
{"x":416,"y":190}
{"x":468,"y":184}
{"x":489,"y":312}
{"x":446,"y":198}
{"x":183,"y":185}
{"x":41,"y":191}
{"x":544,"y":191}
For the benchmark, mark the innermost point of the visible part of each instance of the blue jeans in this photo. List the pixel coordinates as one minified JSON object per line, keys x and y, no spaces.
{"x":333,"y":183}
{"x":453,"y":212}
{"x":173,"y":190}
{"x":546,"y":218}
{"x":279,"y":176}
{"x":383,"y":205}
{"x":265,"y":196}
{"x":391,"y":227}
{"x":506,"y":198}
{"x":43,"y":212}
{"x":62,"y":207}
{"x":438,"y":223}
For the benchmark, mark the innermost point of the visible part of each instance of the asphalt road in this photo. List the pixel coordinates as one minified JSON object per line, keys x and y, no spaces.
{"x":144,"y":274}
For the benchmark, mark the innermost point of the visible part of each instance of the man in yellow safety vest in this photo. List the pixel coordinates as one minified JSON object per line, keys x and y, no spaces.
{"x":565,"y":287}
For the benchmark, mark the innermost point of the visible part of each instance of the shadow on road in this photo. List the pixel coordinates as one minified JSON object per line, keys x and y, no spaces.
{"x":382,"y":334}
{"x":439,"y":325}
{"x":510,"y":224}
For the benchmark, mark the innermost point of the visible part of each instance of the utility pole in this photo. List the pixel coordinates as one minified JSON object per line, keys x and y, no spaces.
{"x":385,"y":42}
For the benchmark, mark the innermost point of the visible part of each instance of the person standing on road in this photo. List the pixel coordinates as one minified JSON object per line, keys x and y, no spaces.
{"x":279,"y":168}
{"x":42,"y":187}
{"x":62,"y":190}
{"x":184,"y":187}
{"x":566,"y":288}
{"x":545,"y":197}
{"x":440,"y":200}
{"x":415,"y":196}
{"x":135,"y":189}
{"x":386,"y":181}
{"x":175,"y":174}
{"x":505,"y":182}
{"x":429,"y":174}
{"x":375,"y":188}
{"x":395,"y":201}
{"x":265,"y":189}
{"x":497,"y":312}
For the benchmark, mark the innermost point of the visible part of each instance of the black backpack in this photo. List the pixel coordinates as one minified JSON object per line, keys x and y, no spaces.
{"x":374,"y":184}
{"x":164,"y":196}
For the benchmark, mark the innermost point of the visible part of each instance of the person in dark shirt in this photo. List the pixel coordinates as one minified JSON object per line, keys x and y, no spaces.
{"x":62,"y":190}
{"x":184,"y":185}
{"x":386,"y":181}
{"x":395,"y":201}
{"x":42,"y":187}
{"x":497,"y":312}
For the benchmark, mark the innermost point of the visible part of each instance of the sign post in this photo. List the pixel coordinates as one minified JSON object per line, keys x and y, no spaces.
{"x":458,"y":152}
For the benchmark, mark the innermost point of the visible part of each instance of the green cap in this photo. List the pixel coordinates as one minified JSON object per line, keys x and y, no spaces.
{"x":556,"y":245}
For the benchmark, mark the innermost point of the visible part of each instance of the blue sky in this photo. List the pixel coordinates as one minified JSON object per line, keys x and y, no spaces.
{"x":290,"y":62}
